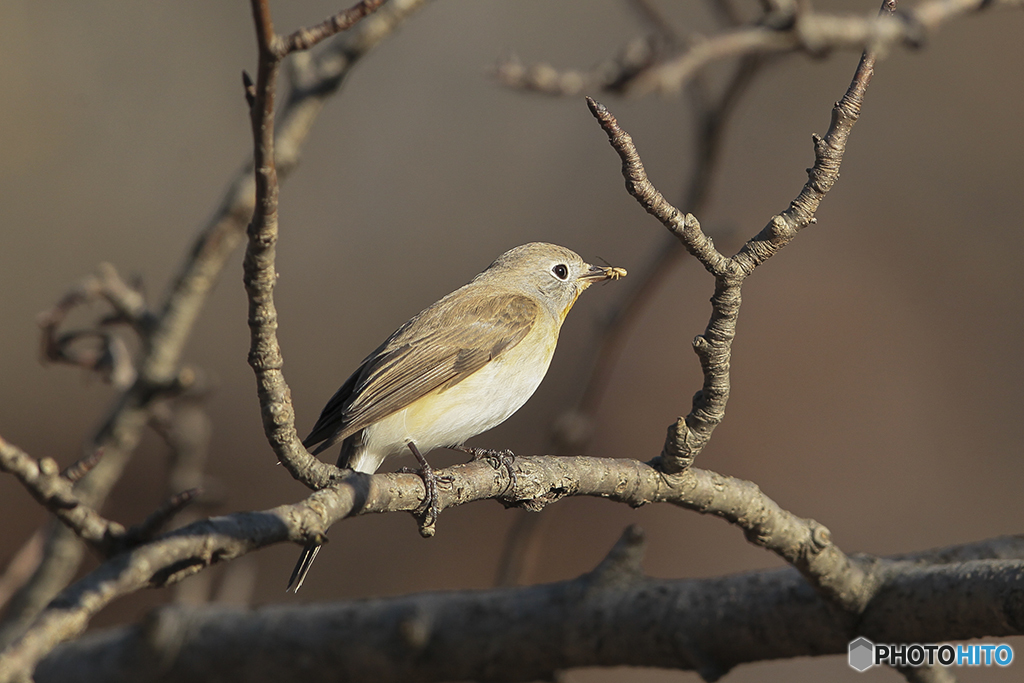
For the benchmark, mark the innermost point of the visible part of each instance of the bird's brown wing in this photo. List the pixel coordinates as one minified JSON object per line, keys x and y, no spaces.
{"x":440,"y":347}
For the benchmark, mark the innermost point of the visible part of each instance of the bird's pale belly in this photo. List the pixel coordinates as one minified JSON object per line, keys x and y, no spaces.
{"x":483,"y":400}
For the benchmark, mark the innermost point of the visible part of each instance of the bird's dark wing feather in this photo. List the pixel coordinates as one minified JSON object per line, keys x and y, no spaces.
{"x":439,"y":348}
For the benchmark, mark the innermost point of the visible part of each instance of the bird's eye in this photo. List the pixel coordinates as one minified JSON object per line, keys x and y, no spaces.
{"x":560,"y":271}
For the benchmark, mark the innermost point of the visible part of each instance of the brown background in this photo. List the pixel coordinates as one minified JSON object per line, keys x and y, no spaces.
{"x":876,"y":376}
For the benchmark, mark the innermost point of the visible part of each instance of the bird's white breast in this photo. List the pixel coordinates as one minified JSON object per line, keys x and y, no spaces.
{"x":483,"y":400}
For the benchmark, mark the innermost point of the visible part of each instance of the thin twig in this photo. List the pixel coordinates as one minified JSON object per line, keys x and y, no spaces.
{"x":666,"y":67}
{"x":307,"y":37}
{"x":260,"y":275}
{"x":160,"y":518}
{"x":43,"y":479}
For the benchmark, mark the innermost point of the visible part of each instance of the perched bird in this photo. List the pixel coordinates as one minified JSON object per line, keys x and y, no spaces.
{"x":460,"y":367}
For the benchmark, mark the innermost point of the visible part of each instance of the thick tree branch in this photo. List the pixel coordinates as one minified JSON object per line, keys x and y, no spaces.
{"x":613,"y":616}
{"x":540,"y":481}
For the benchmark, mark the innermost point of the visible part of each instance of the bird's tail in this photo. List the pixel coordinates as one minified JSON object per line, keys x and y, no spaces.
{"x":302,"y":567}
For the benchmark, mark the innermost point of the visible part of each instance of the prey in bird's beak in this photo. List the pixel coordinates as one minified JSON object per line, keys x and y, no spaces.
{"x":599,"y":273}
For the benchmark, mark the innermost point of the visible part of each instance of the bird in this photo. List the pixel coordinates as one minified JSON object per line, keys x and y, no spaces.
{"x":461,"y":366}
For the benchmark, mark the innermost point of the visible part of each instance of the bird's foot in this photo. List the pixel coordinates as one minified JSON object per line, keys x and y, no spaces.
{"x":497,"y":459}
{"x":431,"y":507}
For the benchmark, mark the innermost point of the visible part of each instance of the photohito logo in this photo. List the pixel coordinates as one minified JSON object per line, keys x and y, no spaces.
{"x":864,"y":654}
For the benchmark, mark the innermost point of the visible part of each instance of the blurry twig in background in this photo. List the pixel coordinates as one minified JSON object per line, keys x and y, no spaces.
{"x":54,"y":490}
{"x":185,"y":427}
{"x":111,"y":360}
{"x":316,"y":79}
{"x":653,"y":64}
{"x":21,"y":566}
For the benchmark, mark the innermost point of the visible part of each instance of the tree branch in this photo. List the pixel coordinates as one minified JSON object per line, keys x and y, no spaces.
{"x":666,"y":66}
{"x":315,"y":81}
{"x":54,"y":491}
{"x":571,"y":430}
{"x":539,"y":481}
{"x":688,"y":436}
{"x":612,"y":616}
{"x":259,"y":277}
{"x":307,"y":37}
{"x":814,"y":33}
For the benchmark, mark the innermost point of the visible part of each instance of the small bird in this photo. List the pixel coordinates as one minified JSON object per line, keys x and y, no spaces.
{"x":460,"y":367}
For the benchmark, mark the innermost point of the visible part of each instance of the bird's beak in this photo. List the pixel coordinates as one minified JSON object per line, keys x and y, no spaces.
{"x":600,"y":273}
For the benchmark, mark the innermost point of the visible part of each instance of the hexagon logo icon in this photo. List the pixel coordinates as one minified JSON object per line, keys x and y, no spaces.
{"x":862,"y":654}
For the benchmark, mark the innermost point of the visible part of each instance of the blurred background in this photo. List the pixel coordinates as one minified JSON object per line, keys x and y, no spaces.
{"x":877,"y":378}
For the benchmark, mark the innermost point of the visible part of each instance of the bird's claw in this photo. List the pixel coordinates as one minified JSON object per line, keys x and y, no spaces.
{"x":497,"y":459}
{"x":429,"y":510}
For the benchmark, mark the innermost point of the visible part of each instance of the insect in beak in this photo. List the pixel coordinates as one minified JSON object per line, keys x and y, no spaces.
{"x":599,"y":273}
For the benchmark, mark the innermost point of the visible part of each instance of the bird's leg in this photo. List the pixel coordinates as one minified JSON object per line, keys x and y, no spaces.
{"x":503,"y":458}
{"x":431,"y":508}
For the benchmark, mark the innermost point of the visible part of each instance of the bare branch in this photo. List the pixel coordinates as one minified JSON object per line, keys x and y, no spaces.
{"x":811,"y":32}
{"x":42,"y":479}
{"x":307,"y":37}
{"x":661,"y":64}
{"x":108,"y":355}
{"x":688,"y":436}
{"x":572,"y":429}
{"x":686,"y":228}
{"x":160,"y":518}
{"x":259,"y":274}
{"x":613,"y":75}
{"x":613,"y":616}
{"x":540,"y":481}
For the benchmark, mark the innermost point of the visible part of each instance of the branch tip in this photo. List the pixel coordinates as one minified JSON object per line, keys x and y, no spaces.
{"x":76,"y":470}
{"x":159,"y":518}
{"x":624,"y":561}
{"x":250,"y":89}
